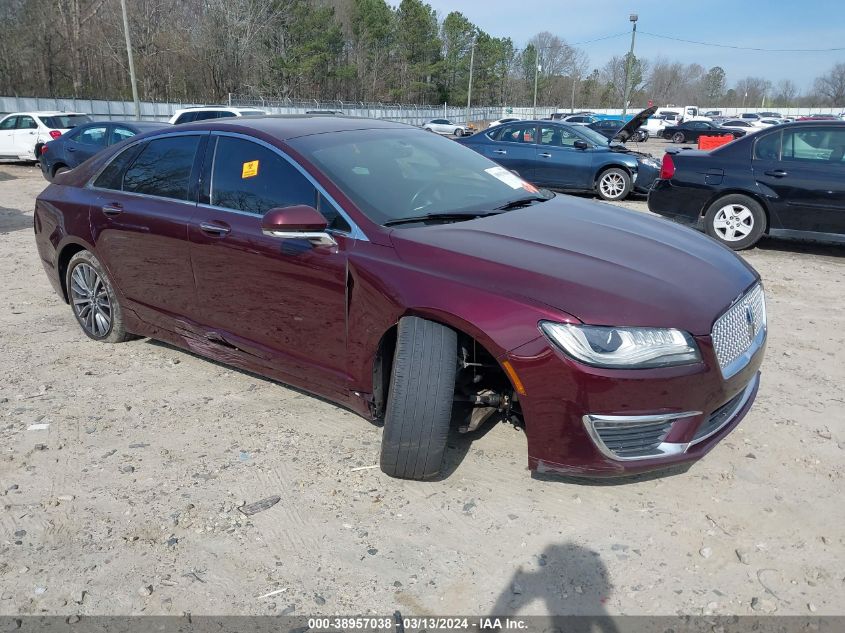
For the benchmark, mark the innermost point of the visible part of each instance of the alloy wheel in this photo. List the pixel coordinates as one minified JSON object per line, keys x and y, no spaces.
{"x":90,"y":300}
{"x":612,"y":185}
{"x":733,"y":222}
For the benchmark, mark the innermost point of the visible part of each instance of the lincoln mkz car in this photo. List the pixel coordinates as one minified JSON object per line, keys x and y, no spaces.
{"x":416,"y":282}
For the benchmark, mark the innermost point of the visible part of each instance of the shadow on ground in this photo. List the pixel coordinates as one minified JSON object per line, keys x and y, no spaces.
{"x":14,"y":220}
{"x":570,"y":583}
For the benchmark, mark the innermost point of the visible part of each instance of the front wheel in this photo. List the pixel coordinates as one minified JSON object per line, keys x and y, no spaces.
{"x":419,"y":400}
{"x":678,"y":137}
{"x":737,"y":221}
{"x":614,"y":184}
{"x":93,"y":300}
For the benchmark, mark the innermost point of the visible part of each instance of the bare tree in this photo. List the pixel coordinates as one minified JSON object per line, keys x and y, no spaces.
{"x":832,"y":85}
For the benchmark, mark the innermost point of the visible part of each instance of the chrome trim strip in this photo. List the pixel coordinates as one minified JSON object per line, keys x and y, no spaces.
{"x":746,"y":394}
{"x":664,"y":448}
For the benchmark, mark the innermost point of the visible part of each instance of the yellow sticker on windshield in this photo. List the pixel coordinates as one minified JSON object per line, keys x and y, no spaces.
{"x":250,"y":169}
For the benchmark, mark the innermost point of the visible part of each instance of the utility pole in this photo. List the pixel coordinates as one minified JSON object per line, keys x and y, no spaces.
{"x":572,"y":102}
{"x":131,"y":61}
{"x":536,"y":72}
{"x":469,"y":89}
{"x":633,"y":18}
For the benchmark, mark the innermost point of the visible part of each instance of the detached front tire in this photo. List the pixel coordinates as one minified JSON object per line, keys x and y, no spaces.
{"x":93,"y":300}
{"x":737,"y":221}
{"x":419,"y":400}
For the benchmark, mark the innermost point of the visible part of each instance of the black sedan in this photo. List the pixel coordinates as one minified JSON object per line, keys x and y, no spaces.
{"x":690,"y":131}
{"x":784,"y":181}
{"x":82,"y":142}
{"x":611,"y":127}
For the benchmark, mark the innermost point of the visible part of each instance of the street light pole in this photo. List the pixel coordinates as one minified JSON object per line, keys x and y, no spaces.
{"x":536,"y":72}
{"x":469,"y":89}
{"x":131,"y":61}
{"x":633,"y":18}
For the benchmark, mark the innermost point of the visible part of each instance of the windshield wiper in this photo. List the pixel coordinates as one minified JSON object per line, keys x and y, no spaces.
{"x":522,"y":202}
{"x":437,"y":217}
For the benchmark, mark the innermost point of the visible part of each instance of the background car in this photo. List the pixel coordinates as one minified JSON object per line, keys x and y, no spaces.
{"x":739,"y":125}
{"x":578,"y":119}
{"x":84,"y":141}
{"x":509,"y":119}
{"x":567,"y":158}
{"x":203,"y":113}
{"x":445,"y":126}
{"x":785,"y":181}
{"x":771,"y":115}
{"x":23,"y":133}
{"x":610,"y":128}
{"x":818,"y":117}
{"x":691,"y":131}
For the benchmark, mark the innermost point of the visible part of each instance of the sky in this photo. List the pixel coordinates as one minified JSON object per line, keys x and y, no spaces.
{"x":753,"y":23}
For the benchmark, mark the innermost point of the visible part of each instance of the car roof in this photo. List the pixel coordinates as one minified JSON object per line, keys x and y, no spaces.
{"x":43,"y":113}
{"x":288,"y":126}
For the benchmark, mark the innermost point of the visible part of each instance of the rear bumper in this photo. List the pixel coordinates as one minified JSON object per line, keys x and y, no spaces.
{"x":566,"y":400}
{"x":684,"y":205}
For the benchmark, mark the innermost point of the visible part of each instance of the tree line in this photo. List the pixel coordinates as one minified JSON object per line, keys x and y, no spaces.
{"x":346,"y":50}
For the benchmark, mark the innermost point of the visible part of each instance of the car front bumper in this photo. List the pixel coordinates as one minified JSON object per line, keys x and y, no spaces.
{"x":581,"y":420}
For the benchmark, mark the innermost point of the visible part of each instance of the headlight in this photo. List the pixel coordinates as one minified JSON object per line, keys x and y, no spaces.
{"x":623,"y":347}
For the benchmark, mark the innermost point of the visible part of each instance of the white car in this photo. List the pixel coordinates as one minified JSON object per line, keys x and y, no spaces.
{"x":202,"y":113}
{"x":579,"y":119}
{"x":654,"y":125}
{"x":767,"y":122}
{"x":507,"y":119}
{"x":23,"y":133}
{"x":445,"y":126}
{"x":738,"y":124}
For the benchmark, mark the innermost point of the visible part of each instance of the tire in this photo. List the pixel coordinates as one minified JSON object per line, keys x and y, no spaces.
{"x":86,"y":278}
{"x":643,"y":136}
{"x":678,"y":137}
{"x":419,"y":400}
{"x":614,"y":184}
{"x":428,"y":129}
{"x":459,"y":132}
{"x":737,"y":221}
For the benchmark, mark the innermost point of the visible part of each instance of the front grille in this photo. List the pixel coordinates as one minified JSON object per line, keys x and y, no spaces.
{"x":739,"y":331}
{"x":632,"y":439}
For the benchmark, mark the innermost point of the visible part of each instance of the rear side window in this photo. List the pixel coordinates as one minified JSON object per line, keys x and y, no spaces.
{"x":516,"y":134}
{"x":225,"y":115}
{"x":163,"y":168}
{"x":65,"y":121}
{"x":203,"y":116}
{"x":768,"y":147}
{"x":93,"y":136}
{"x":112,"y":176}
{"x":249,"y":177}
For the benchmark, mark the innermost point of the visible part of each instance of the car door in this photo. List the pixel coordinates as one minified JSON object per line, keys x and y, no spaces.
{"x":25,"y":136}
{"x":283,"y":300}
{"x":514,"y":147}
{"x":559,"y":163}
{"x":7,"y":135}
{"x":85,"y":143}
{"x":808,"y":181}
{"x":145,"y":200}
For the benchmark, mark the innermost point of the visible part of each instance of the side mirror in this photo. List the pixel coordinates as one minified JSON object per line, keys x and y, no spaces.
{"x":298,"y":222}
{"x":579,"y":144}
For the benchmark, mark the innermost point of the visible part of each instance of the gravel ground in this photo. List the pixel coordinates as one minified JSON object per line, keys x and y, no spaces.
{"x":123,"y":497}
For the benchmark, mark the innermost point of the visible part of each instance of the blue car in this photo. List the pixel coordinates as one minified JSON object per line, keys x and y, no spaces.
{"x":570,"y":157}
{"x":82,"y":142}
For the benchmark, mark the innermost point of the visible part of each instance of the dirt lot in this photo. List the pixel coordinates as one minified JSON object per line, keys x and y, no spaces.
{"x":126,"y":501}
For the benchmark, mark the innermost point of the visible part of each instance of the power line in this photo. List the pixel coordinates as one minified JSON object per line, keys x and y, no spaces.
{"x":745,"y":48}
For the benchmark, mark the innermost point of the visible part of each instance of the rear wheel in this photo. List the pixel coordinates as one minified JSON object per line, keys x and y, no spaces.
{"x":678,"y":137}
{"x":643,"y":136}
{"x":419,"y":400}
{"x":93,"y":300}
{"x":614,"y":184}
{"x":735,"y":220}
{"x":459,"y":132}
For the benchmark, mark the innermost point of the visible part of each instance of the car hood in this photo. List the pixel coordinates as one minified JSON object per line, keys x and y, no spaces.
{"x":598,"y":263}
{"x":627,"y":130}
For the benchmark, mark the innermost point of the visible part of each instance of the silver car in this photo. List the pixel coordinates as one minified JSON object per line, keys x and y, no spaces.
{"x":445,"y":126}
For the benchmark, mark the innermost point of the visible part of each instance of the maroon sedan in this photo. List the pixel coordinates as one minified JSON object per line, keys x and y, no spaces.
{"x":413,"y":280}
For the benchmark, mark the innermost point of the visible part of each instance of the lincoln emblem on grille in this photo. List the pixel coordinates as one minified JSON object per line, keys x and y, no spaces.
{"x":752,"y":325}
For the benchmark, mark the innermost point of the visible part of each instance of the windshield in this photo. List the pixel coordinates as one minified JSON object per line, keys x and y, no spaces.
{"x":65,"y":121}
{"x":592,"y":136}
{"x":394,"y":173}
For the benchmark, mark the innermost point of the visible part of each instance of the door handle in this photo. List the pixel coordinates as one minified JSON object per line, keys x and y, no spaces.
{"x":500,"y":151}
{"x":112,"y":209}
{"x":71,"y":149}
{"x":214,"y":229}
{"x":545,"y":155}
{"x":777,"y":173}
